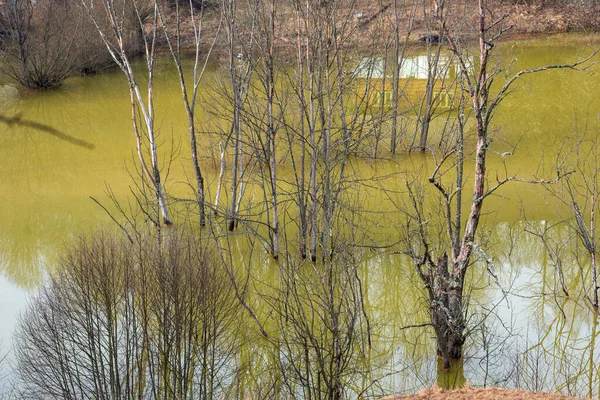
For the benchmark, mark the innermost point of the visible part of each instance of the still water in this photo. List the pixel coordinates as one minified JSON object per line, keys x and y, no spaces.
{"x":532,"y":336}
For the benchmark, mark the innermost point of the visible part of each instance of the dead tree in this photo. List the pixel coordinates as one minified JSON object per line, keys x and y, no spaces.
{"x":442,"y":264}
{"x":329,"y":125}
{"x":579,"y":193}
{"x":264,"y":118}
{"x":399,"y":51}
{"x":240,"y":43}
{"x":144,"y":128}
{"x":189,"y":101}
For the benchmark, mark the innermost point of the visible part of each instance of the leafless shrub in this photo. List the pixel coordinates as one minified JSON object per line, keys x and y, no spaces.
{"x":126,"y":320}
{"x":45,"y":41}
{"x":38,"y":45}
{"x":324,"y":335}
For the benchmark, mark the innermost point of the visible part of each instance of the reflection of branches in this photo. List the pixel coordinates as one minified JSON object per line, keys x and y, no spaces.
{"x":17,"y":120}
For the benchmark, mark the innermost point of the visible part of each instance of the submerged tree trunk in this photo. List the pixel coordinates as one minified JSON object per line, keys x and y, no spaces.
{"x":190,"y":101}
{"x":270,"y":89}
{"x":446,"y":310}
{"x":448,"y":321}
{"x":141,"y":105}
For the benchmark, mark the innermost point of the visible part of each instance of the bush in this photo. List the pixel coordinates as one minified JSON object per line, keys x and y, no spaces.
{"x":38,"y":44}
{"x":124,"y":320}
{"x":46,"y":41}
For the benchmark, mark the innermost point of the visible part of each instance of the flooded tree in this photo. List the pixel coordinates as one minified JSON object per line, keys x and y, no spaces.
{"x":443,"y":246}
{"x":38,"y":44}
{"x":141,"y":318}
{"x":572,"y":242}
{"x":324,"y":360}
{"x":266,"y":17}
{"x":328,"y":126}
{"x":399,"y":52}
{"x":174,"y":42}
{"x":435,"y":16}
{"x":239,"y":36}
{"x":115,"y":39}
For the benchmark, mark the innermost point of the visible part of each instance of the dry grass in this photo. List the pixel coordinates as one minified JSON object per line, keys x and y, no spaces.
{"x":370,"y":23}
{"x":469,"y":393}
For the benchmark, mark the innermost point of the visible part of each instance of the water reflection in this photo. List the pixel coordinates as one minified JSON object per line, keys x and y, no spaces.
{"x":420,"y":77}
{"x":524,"y":332}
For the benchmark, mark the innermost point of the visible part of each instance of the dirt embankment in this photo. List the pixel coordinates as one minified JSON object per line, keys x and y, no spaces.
{"x":522,"y":17}
{"x":469,"y":393}
{"x":369,"y":25}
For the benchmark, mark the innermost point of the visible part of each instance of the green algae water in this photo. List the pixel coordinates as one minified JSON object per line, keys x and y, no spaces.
{"x":530,"y":337}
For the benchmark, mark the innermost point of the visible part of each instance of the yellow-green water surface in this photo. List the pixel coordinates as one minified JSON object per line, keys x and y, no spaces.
{"x":47,"y":183}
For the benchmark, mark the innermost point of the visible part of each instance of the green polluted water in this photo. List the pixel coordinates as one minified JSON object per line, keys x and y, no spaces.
{"x":524,"y":332}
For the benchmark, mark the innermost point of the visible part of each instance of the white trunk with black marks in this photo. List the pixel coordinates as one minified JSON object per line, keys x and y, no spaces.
{"x":138,"y":102}
{"x":146,"y":107}
{"x":595,"y":279}
{"x":188,"y":103}
{"x":302,"y":235}
{"x":396,"y":66}
{"x":232,"y":215}
{"x":327,"y":115}
{"x":274,"y":206}
{"x":426,"y":112}
{"x":313,"y":144}
{"x":271,"y":135}
{"x":395,"y":80}
{"x":221,"y":174}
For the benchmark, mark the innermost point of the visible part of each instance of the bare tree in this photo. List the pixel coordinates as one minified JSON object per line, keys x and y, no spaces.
{"x":443,"y":253}
{"x":240,"y":46}
{"x":399,"y":50}
{"x":189,"y":101}
{"x":142,"y":107}
{"x":330,"y":125}
{"x":321,"y":360}
{"x":573,"y":241}
{"x":39,"y":47}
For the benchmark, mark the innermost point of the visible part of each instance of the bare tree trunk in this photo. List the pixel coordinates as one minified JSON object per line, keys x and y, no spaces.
{"x":447,"y":314}
{"x":310,"y":53}
{"x":235,"y":173}
{"x":396,"y":65}
{"x":296,"y":131}
{"x":190,"y":103}
{"x":221,"y":173}
{"x":433,"y":75}
{"x":270,"y":89}
{"x":145,"y":106}
{"x":230,"y":10}
{"x":302,"y":179}
{"x":326,"y":118}
{"x":445,"y":279}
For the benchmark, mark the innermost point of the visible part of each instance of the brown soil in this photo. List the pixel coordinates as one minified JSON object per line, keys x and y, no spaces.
{"x":469,"y":393}
{"x":523,"y":17}
{"x":371,"y":22}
